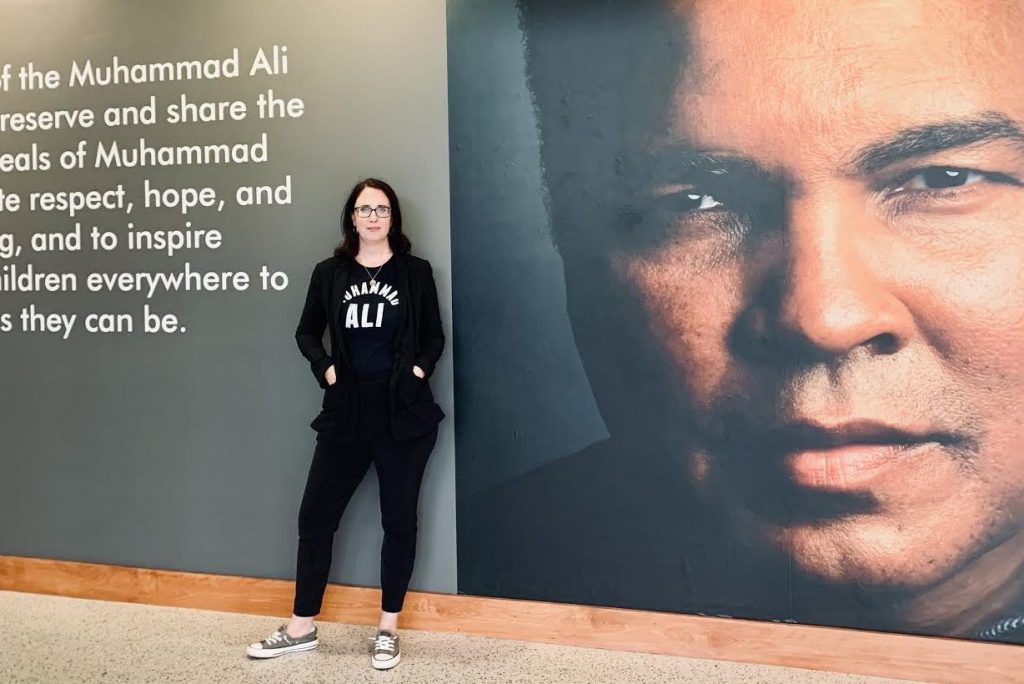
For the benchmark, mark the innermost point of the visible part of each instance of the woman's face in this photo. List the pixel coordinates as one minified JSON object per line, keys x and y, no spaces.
{"x":372,"y":228}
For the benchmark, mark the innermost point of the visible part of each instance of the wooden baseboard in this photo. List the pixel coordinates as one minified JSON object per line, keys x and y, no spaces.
{"x":818,"y":648}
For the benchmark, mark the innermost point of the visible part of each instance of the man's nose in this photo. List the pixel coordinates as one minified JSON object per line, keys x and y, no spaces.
{"x":836,"y":289}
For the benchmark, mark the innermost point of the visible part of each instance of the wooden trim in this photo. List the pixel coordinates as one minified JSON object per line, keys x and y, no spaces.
{"x":819,"y":648}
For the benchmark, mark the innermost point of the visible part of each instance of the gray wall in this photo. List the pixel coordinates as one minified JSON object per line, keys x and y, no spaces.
{"x":190,"y":451}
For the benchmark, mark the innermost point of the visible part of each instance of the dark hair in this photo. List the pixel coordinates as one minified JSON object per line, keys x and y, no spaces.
{"x":349,"y":246}
{"x":601,"y":75}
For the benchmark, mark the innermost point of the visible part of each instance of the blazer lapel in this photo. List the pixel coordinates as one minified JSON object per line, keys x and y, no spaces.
{"x":402,"y":276}
{"x":341,"y":272}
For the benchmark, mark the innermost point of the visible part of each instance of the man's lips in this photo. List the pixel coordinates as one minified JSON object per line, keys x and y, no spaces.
{"x":847,"y":456}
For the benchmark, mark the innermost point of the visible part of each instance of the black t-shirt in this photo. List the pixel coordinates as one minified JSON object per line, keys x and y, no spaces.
{"x":369,"y":317}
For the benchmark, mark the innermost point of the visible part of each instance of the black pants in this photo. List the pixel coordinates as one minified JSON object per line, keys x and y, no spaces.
{"x":337,"y":469}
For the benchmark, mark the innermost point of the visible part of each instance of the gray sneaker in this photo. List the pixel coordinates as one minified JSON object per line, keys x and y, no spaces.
{"x":279,"y":643}
{"x":386,"y":653}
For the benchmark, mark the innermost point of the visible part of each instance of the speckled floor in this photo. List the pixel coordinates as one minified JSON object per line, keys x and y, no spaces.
{"x":55,"y":640}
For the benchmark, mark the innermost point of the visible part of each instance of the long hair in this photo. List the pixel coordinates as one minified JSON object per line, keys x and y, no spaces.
{"x":349,"y":246}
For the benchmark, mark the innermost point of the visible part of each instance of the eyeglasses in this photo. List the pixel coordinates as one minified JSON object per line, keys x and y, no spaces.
{"x":365,"y":211}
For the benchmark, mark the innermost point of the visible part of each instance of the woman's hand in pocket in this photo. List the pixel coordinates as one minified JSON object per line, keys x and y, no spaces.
{"x":416,"y":370}
{"x":331,"y":376}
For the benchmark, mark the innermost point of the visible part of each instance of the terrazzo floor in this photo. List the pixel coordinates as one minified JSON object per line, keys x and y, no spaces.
{"x":56,"y":640}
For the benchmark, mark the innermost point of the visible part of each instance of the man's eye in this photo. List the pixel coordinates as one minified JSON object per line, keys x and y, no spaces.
{"x":942,"y":178}
{"x":686,"y":199}
{"x":689,"y":200}
{"x":701,"y":202}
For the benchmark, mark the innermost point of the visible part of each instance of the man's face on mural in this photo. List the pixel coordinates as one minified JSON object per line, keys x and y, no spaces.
{"x":837,"y":272}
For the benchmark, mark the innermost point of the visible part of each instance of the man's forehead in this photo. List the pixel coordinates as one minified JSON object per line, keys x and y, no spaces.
{"x":837,"y":74}
{"x":724,"y":34}
{"x":816,"y":15}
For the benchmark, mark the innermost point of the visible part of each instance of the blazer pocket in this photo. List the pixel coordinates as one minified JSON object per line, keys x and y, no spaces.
{"x":334,"y":396}
{"x":411,"y":387}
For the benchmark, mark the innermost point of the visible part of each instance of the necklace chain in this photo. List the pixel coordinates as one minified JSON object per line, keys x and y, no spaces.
{"x":373,"y":276}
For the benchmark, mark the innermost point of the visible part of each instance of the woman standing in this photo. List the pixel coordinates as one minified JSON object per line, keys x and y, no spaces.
{"x":379,"y":305}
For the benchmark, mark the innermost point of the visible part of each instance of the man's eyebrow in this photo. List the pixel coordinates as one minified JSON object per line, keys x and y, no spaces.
{"x":676,"y":162}
{"x":929,"y":139}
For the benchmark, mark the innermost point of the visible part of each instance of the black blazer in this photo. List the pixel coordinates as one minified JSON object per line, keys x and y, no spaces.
{"x":419,"y":342}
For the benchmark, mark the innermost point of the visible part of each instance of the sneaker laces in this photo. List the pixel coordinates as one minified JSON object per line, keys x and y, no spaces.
{"x":384,"y":642}
{"x":276,"y":637}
